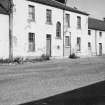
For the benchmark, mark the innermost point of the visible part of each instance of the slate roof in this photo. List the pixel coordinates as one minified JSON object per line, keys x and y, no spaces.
{"x":4,"y":6}
{"x":53,"y":3}
{"x":96,"y":24}
{"x":57,"y":4}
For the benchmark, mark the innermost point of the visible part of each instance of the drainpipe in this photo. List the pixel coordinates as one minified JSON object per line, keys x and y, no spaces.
{"x":64,"y":24}
{"x":63,"y":31}
{"x":70,"y":43}
{"x":96,"y":41}
{"x":11,"y":30}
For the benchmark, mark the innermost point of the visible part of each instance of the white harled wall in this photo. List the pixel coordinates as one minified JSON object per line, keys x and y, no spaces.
{"x":74,"y":33}
{"x":22,"y":27}
{"x":95,"y":39}
{"x":4,"y":36}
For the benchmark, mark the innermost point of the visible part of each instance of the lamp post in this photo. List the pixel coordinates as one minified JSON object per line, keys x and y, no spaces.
{"x":10,"y":29}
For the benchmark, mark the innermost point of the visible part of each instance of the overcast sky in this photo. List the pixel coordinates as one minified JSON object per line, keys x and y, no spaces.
{"x":94,"y":7}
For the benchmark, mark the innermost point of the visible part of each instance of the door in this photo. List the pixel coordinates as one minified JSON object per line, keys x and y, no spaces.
{"x":100,"y":49}
{"x":48,"y":45}
{"x":67,"y":46}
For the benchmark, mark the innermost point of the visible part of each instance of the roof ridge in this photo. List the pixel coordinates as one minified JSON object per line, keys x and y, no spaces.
{"x":58,"y":2}
{"x":96,"y":19}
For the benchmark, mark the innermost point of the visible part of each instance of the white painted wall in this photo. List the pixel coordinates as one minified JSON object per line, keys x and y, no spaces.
{"x":92,"y":40}
{"x":22,"y":27}
{"x":77,"y":33}
{"x":95,"y":39}
{"x":4,"y":36}
{"x":100,"y":40}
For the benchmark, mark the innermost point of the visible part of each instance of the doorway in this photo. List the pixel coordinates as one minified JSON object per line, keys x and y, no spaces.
{"x":48,"y":45}
{"x":100,"y":49}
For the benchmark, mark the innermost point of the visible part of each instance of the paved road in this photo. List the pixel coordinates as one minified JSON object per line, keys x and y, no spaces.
{"x":27,"y":82}
{"x":82,"y":96}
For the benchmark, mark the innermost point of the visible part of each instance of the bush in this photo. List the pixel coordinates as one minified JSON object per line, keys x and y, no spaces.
{"x":45,"y":57}
{"x":73,"y":56}
{"x":38,"y":59}
{"x":18,"y":60}
{"x":5,"y":61}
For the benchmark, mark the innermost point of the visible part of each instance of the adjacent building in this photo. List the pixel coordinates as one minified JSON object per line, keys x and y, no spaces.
{"x":75,"y":33}
{"x":96,"y":36}
{"x":4,"y":33}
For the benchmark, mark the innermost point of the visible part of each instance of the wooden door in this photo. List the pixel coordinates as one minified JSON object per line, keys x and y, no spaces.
{"x":48,"y":45}
{"x":100,"y":49}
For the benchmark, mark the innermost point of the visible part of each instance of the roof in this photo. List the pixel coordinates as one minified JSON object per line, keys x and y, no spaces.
{"x":96,"y":24}
{"x":4,"y":6}
{"x":57,"y":4}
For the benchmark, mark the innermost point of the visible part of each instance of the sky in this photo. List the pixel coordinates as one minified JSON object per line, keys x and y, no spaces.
{"x":96,"y":8}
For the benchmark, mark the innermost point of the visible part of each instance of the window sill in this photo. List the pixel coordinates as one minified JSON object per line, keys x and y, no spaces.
{"x":79,"y":28}
{"x":78,"y":51}
{"x":30,"y":21}
{"x":31,"y":51}
{"x":68,"y":27}
{"x":67,"y":46}
{"x":49,"y":23}
{"x":58,"y":38}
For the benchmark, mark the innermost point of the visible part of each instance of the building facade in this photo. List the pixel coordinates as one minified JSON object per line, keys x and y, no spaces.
{"x":96,"y":37}
{"x":75,"y":29}
{"x":50,"y":28}
{"x":39,"y":28}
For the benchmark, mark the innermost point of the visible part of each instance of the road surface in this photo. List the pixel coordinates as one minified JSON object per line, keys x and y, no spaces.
{"x":28,"y":82}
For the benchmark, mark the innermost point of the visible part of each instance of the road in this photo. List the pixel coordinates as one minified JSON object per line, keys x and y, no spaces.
{"x":28,"y":82}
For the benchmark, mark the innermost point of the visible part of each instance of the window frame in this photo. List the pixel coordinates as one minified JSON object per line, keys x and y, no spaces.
{"x":67,"y":19}
{"x":79,"y":44}
{"x":31,"y":42}
{"x":58,"y":30}
{"x":89,"y":32}
{"x":89,"y":46}
{"x":67,"y":42}
{"x":49,"y":16}
{"x":100,"y":33}
{"x":31,"y":13}
{"x":78,"y":22}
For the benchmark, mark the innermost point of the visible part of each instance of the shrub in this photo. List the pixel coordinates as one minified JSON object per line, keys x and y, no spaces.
{"x":45,"y":57}
{"x":38,"y":59}
{"x":73,"y":56}
{"x":18,"y":60}
{"x":5,"y":61}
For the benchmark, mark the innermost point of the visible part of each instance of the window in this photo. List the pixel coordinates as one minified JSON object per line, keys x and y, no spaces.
{"x":100,"y":33}
{"x":31,"y":12}
{"x":67,"y":20}
{"x":89,"y":32}
{"x":78,"y":44}
{"x":89,"y":46}
{"x":48,"y":16}
{"x":31,"y":39}
{"x":78,"y":22}
{"x":58,"y":30}
{"x":67,"y":41}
